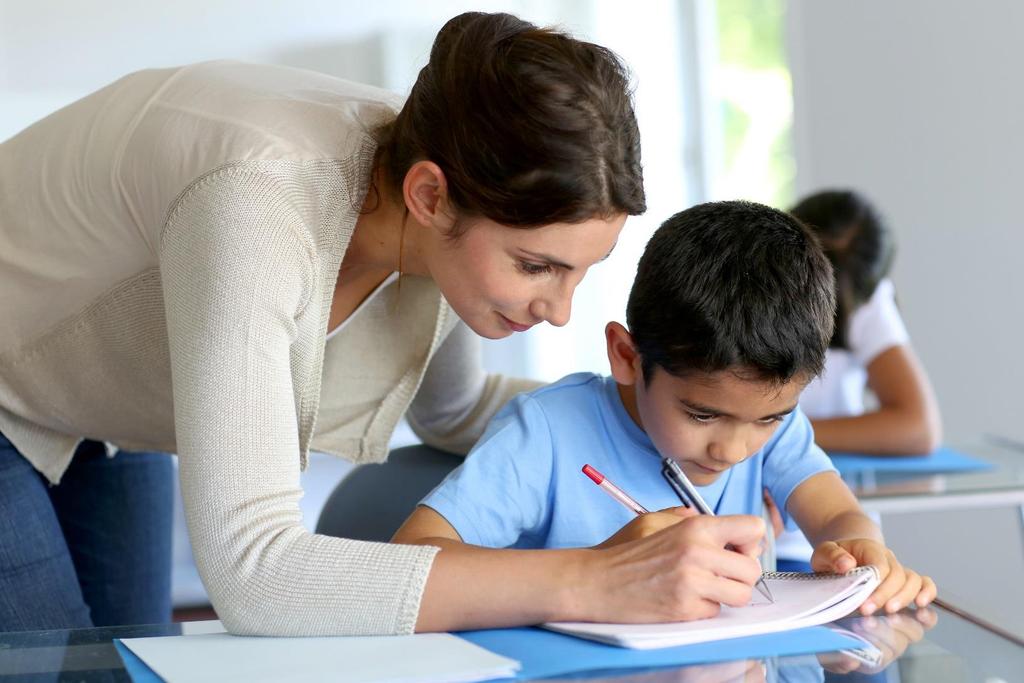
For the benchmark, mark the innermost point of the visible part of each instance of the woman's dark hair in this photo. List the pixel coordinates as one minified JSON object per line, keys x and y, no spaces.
{"x":857,"y":241}
{"x":529,"y":125}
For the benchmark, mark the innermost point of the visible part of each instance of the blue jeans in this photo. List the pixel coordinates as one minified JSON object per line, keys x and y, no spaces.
{"x":94,"y":550}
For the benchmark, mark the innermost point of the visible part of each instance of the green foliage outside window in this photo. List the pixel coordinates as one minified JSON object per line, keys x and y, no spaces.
{"x":755,"y":97}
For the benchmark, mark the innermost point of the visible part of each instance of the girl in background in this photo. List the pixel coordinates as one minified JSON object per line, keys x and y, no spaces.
{"x":870,"y":349}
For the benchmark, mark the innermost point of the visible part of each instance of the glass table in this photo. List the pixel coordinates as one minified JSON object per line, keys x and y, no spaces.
{"x":884,"y":491}
{"x":964,"y":529}
{"x":935,"y":646}
{"x":954,"y":649}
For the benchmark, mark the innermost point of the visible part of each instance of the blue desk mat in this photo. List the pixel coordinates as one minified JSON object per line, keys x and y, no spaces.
{"x":942,"y":460}
{"x":545,"y":653}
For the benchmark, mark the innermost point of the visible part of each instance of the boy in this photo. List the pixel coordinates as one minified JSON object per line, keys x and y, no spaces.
{"x":729,"y":318}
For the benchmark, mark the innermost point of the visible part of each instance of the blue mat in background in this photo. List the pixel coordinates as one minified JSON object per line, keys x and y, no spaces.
{"x":942,"y":460}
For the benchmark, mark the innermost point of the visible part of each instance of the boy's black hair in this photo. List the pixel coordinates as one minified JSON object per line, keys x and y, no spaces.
{"x":732,"y":286}
{"x":857,"y":242}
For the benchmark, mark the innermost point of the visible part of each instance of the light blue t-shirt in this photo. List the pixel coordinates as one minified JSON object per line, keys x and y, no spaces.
{"x":522,"y":485}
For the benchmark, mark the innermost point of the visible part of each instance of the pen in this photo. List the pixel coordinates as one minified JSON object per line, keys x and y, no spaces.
{"x":687,"y":493}
{"x":614,"y":491}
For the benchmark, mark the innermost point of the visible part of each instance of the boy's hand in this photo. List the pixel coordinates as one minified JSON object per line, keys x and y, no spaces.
{"x":900,"y":585}
{"x":646,"y":525}
{"x":890,"y":634}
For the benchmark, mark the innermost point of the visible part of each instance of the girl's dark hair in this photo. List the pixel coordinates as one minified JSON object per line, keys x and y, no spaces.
{"x":859,"y":244}
{"x":529,"y":125}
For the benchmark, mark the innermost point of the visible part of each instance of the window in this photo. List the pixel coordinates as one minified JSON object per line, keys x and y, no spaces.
{"x":750,"y":83}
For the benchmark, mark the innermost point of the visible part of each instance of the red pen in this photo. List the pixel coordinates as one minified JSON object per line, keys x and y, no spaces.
{"x":614,"y":491}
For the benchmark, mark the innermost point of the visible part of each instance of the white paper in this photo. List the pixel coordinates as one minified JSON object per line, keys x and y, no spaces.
{"x":195,"y":628}
{"x":221,"y":657}
{"x":800,"y":600}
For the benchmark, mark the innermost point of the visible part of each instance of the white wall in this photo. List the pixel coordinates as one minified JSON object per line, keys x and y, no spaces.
{"x":55,"y":51}
{"x":919,"y":104}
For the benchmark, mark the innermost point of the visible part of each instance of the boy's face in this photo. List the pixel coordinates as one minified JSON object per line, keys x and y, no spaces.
{"x":709,"y":422}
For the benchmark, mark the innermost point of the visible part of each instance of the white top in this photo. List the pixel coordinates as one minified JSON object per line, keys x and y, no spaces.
{"x":363,"y":304}
{"x":169,"y":249}
{"x":874,"y":327}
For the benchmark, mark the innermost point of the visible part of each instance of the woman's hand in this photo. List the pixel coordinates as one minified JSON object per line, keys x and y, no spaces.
{"x":900,"y":585}
{"x":678,"y":573}
{"x":682,"y":572}
{"x":643,"y":526}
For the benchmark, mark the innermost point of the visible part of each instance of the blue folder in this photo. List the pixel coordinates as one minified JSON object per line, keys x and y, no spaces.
{"x":545,"y":653}
{"x":136,"y":668}
{"x":942,"y":460}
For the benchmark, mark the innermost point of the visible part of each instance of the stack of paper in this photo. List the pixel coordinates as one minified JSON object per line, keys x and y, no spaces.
{"x":221,"y":657}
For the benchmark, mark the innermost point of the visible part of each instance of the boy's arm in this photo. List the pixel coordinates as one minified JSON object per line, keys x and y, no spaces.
{"x":424,"y":525}
{"x":827,"y":510}
{"x":844,"y":537}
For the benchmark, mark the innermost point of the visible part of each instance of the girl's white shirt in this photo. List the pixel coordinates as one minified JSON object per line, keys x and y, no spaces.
{"x":874,"y":327}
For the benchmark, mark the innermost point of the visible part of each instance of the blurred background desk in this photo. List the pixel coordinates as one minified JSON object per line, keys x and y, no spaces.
{"x":965,"y":530}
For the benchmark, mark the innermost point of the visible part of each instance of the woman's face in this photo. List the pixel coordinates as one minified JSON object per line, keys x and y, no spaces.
{"x":501,"y":280}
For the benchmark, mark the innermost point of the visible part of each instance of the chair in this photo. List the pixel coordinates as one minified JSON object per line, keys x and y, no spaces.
{"x":372,"y":501}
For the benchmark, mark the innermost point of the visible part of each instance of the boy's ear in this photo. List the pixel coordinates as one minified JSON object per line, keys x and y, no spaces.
{"x":425,"y":191}
{"x":622,"y":355}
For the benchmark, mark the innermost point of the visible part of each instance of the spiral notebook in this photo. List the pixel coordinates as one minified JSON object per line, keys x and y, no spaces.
{"x":800,"y":600}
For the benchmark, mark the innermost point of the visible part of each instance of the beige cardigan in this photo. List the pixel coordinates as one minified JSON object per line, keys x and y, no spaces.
{"x":184,"y":227}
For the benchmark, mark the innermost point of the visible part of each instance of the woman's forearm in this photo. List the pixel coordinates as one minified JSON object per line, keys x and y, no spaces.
{"x":686,"y":571}
{"x":473,"y":587}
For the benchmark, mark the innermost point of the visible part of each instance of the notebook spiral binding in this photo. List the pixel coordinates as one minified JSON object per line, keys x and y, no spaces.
{"x":805,"y":576}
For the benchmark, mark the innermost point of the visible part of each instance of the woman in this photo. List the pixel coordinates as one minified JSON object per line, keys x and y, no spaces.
{"x":178,"y":246}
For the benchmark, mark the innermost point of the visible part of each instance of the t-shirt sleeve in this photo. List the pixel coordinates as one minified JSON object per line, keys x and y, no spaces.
{"x":790,"y":458}
{"x":501,"y":493}
{"x":877,"y":325}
